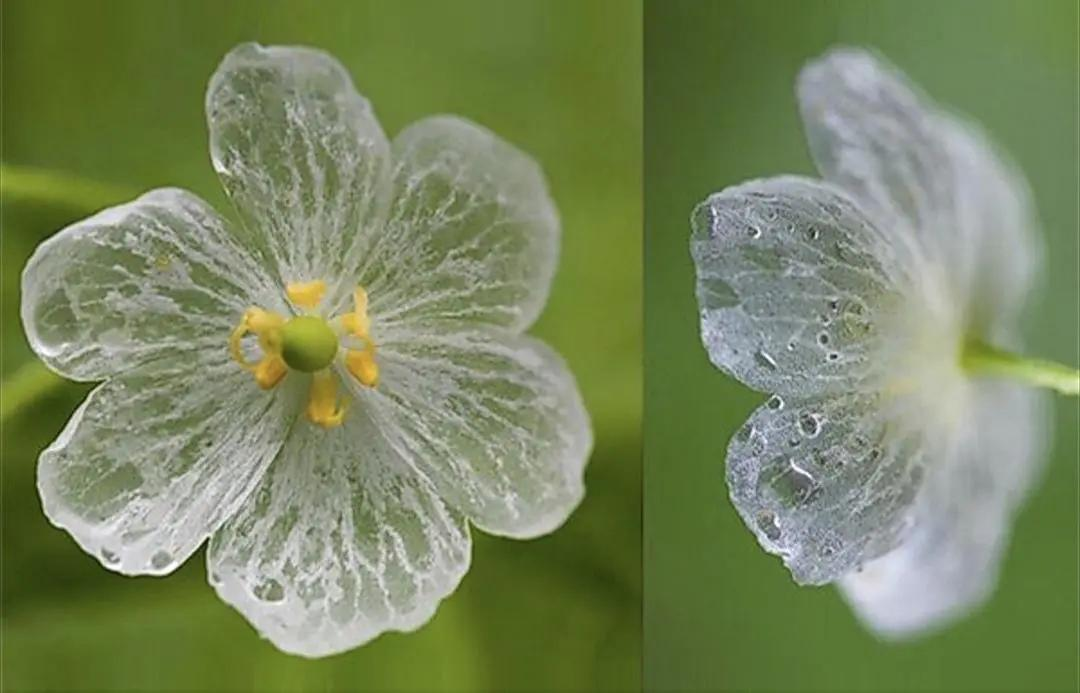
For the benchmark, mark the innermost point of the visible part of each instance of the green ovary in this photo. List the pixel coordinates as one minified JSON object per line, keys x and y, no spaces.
{"x":308,"y":344}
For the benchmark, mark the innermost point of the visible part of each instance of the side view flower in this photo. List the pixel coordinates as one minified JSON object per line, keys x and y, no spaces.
{"x":331,"y":388}
{"x":879,"y":307}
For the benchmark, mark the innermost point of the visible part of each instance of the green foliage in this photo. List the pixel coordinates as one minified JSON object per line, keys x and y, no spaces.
{"x":112,"y":94}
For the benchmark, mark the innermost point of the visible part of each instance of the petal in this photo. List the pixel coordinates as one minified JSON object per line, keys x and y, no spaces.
{"x":494,"y":420}
{"x":473,"y":235}
{"x":922,"y":173}
{"x":948,"y":565}
{"x":156,"y":459}
{"x":342,"y":541}
{"x":825,"y":484}
{"x":302,"y":157}
{"x":794,"y":285}
{"x":160,"y":275}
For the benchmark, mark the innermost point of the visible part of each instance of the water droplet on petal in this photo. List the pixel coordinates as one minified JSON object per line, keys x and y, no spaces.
{"x":823,"y":338}
{"x":753,"y":231}
{"x":269,"y":590}
{"x":110,"y":557}
{"x":160,"y":560}
{"x":769,"y":525}
{"x":812,"y":233}
{"x":810,"y":425}
{"x":765,"y":360}
{"x":775,"y":403}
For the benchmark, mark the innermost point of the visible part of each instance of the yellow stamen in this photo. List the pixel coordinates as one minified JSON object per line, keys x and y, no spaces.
{"x":264,"y":325}
{"x":306,"y":294}
{"x":361,"y":363}
{"x":270,"y":371}
{"x":323,"y":407}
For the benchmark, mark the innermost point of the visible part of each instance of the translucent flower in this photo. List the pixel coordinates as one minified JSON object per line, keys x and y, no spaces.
{"x":872,"y":306}
{"x":330,"y":390}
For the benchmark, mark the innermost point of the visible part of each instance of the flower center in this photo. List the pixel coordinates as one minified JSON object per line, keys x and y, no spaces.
{"x":309,"y":343}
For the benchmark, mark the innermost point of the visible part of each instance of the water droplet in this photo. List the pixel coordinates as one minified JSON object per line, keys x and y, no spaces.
{"x":823,"y":338}
{"x":825,"y":320}
{"x":791,"y":345}
{"x":810,"y":425}
{"x":834,"y":304}
{"x":753,"y":232}
{"x":110,"y":557}
{"x":833,"y":356}
{"x":269,"y":590}
{"x":812,"y":233}
{"x":769,"y":525}
{"x":775,"y":403}
{"x":874,"y":455}
{"x":794,"y":442}
{"x":160,"y":560}
{"x":765,"y":360}
{"x":795,"y":486}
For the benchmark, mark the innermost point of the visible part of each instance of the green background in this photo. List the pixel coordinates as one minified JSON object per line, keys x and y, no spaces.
{"x":113,"y":92}
{"x":719,"y":109}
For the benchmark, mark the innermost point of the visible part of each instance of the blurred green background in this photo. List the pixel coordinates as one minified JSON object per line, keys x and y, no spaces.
{"x":719,"y":109}
{"x":113,"y":92}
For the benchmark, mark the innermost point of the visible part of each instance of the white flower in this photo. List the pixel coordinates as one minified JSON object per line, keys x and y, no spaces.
{"x":330,"y":390}
{"x":871,"y":305}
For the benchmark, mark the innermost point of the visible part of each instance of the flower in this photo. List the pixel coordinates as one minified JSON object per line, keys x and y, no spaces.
{"x":870,"y":306}
{"x":330,"y":390}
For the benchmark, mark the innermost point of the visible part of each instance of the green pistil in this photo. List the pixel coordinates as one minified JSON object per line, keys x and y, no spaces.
{"x":308,"y":344}
{"x":981,"y":359}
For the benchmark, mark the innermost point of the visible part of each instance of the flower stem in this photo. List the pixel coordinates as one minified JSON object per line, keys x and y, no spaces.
{"x":21,"y":183}
{"x":28,"y":383}
{"x":980,"y":358}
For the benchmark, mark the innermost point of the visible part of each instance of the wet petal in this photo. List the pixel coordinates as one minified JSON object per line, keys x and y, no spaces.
{"x":825,"y":484}
{"x":794,"y":286}
{"x":494,"y":420}
{"x":156,"y":459}
{"x":161,"y":275}
{"x":343,"y":541}
{"x":961,"y":521}
{"x":925,"y":174}
{"x":473,"y":235}
{"x":302,"y":156}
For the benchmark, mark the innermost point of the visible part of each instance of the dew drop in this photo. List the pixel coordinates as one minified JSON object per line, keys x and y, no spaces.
{"x":753,"y":232}
{"x":795,"y":486}
{"x":269,"y":590}
{"x":834,"y":304}
{"x":833,"y":356}
{"x":765,"y":360}
{"x":812,"y":233}
{"x":823,"y":338}
{"x":775,"y":403}
{"x":809,"y":425}
{"x":769,"y":525}
{"x":160,"y":560}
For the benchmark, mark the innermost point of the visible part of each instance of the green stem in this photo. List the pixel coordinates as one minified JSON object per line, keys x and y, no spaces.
{"x":21,"y":183}
{"x":982,"y":359}
{"x":28,"y":383}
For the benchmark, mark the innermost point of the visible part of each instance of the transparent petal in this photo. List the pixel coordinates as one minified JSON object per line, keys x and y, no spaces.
{"x":302,"y":157}
{"x":494,"y":420}
{"x":156,"y":459}
{"x":342,"y":541}
{"x":161,"y":275}
{"x":794,"y":286}
{"x":825,"y":484}
{"x":924,"y":174}
{"x":473,"y":235}
{"x":960,"y":524}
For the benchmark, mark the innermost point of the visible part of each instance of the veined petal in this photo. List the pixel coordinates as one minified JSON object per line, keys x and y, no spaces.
{"x":341,"y":542}
{"x":494,"y":420}
{"x":161,"y":275}
{"x":156,"y":459}
{"x":924,"y":174}
{"x":302,"y":157}
{"x":826,"y":484}
{"x":960,"y":523}
{"x":794,"y":285}
{"x":472,"y":236}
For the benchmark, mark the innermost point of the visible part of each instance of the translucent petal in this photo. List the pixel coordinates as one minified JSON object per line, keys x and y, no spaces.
{"x":160,"y":275}
{"x":794,"y":286}
{"x":825,"y":484}
{"x":494,"y":420}
{"x":960,"y":525}
{"x":302,"y":156}
{"x":342,"y":541}
{"x":156,"y":459}
{"x":923,"y":174}
{"x":473,"y":235}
